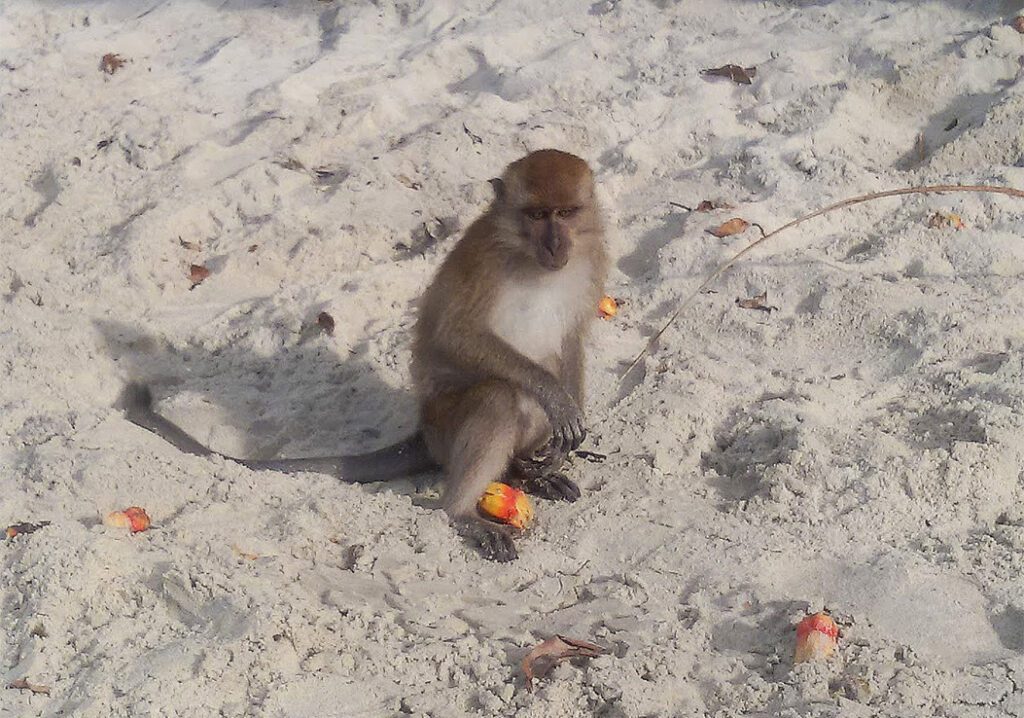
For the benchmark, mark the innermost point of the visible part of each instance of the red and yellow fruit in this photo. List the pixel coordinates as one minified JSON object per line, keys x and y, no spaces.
{"x":506,"y":504}
{"x":816,"y":638}
{"x":133,"y":517}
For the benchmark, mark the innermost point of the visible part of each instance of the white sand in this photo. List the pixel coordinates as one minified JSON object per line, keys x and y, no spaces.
{"x":859,"y":449}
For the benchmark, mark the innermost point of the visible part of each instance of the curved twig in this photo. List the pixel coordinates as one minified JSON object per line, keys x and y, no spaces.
{"x":929,"y":189}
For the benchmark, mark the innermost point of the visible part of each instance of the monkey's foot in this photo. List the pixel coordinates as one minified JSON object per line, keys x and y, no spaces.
{"x":493,"y":541}
{"x":544,"y":461}
{"x":554,"y":486}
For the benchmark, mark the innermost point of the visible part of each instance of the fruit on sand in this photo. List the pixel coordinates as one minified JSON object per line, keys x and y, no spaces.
{"x":816,"y":638}
{"x":506,"y":504}
{"x":133,"y":517}
{"x":607,"y":307}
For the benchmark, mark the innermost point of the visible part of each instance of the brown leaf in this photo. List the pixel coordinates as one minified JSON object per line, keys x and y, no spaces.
{"x":477,"y":139}
{"x":326,"y":323}
{"x":290,"y":163}
{"x":741,"y":75}
{"x":940,"y":220}
{"x":708,"y":205}
{"x":111,"y":63}
{"x":410,"y":183}
{"x":197,"y":273}
{"x":24,"y":528}
{"x":547,"y":654}
{"x":730,"y":227}
{"x":757,"y":302}
{"x":22,"y":684}
{"x":248,"y":555}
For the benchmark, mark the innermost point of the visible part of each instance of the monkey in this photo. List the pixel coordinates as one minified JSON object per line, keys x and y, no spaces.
{"x":497,"y":352}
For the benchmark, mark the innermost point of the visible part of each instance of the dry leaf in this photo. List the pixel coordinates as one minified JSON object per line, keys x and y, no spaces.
{"x":194,"y":246}
{"x":244,"y":554}
{"x":22,"y":684}
{"x":111,"y":63}
{"x":1018,"y":23}
{"x":547,"y":654}
{"x":941,"y":220}
{"x":741,"y":75}
{"x":757,"y":302}
{"x":477,"y":139}
{"x":197,"y":273}
{"x":326,"y":323}
{"x":411,"y":184}
{"x":24,"y":528}
{"x":290,"y":163}
{"x":730,"y":227}
{"x":708,"y":205}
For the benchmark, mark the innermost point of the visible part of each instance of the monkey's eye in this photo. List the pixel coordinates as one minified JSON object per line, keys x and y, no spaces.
{"x":566,"y":212}
{"x":536,"y":214}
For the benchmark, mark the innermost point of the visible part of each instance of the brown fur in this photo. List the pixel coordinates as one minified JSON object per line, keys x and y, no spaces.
{"x":483,"y":403}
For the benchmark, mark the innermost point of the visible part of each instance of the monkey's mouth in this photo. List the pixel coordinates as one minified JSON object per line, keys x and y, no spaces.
{"x":552,"y":259}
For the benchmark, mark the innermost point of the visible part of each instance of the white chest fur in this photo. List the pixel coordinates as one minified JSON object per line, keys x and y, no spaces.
{"x":535,"y":315}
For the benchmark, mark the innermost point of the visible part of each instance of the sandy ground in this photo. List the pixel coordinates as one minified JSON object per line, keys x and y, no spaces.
{"x":859,"y":449}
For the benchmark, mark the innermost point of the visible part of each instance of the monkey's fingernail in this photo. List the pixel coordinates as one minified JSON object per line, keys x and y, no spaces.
{"x":607,"y":307}
{"x":133,"y":517}
{"x":507,"y":504}
{"x":816,"y":638}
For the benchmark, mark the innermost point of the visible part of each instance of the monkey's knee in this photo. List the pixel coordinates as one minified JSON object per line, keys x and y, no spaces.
{"x":534,"y":428}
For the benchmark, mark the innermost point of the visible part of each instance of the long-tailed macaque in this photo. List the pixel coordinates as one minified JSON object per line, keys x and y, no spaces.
{"x":497,"y":356}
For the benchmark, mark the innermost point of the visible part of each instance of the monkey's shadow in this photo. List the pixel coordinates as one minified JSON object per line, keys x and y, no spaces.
{"x":302,"y":400}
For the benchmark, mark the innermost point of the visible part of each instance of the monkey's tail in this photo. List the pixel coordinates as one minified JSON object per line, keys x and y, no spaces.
{"x":404,"y":458}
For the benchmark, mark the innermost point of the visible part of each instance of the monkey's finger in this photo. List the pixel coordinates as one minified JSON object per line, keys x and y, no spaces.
{"x":570,"y":490}
{"x":565,"y":487}
{"x":583,"y":437}
{"x":576,"y":436}
{"x":555,"y":440}
{"x":562,"y":438}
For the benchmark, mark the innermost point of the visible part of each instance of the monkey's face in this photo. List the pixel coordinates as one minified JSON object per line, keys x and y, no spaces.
{"x":548,"y":196}
{"x":549,"y":232}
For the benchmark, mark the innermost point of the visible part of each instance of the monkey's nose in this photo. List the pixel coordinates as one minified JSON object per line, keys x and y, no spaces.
{"x":552,"y":243}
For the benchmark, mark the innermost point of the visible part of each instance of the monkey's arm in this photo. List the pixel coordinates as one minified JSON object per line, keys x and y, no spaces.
{"x":481,"y":352}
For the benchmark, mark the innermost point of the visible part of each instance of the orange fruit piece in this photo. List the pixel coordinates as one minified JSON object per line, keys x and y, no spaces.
{"x":133,"y":517}
{"x":607,"y":307}
{"x":816,"y":638}
{"x":506,"y":504}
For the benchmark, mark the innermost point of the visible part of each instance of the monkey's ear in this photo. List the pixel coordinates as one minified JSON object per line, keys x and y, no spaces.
{"x":499,"y":188}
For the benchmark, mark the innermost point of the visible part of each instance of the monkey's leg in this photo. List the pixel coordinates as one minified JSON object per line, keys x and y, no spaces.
{"x":474,"y":434}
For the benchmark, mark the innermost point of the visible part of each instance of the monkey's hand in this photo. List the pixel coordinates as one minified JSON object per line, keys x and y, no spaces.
{"x":543,"y":481}
{"x":567,"y":430}
{"x":493,"y":541}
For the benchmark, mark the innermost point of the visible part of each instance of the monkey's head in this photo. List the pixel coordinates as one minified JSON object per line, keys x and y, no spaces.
{"x":548,"y":196}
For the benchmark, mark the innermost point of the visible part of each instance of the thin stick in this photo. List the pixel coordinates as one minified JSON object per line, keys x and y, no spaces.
{"x":930,"y":189}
